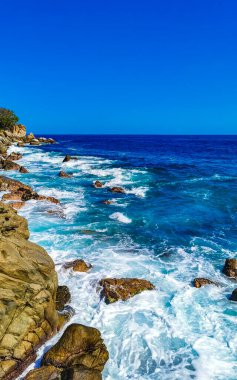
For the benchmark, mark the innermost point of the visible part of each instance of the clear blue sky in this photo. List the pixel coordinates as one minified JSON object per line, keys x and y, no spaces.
{"x":120,"y":66}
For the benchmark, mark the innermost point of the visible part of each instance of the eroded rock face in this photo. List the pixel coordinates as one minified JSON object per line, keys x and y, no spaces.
{"x":19,"y":131}
{"x":198,"y":282}
{"x":230,"y":268}
{"x":14,"y":156}
{"x":78,"y":266}
{"x":28,"y":283}
{"x":63,"y":296}
{"x":18,"y":191}
{"x":115,"y":289}
{"x":79,"y":346}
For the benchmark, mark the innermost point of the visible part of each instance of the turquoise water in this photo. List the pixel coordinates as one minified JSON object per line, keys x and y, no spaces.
{"x":177,"y":221}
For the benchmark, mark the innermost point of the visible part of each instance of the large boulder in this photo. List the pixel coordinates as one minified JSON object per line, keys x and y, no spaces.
{"x":48,"y":372}
{"x":97,"y":184}
{"x":3,"y":149}
{"x":233,"y":296}
{"x":27,"y":296}
{"x":115,"y":289}
{"x":19,"y":130}
{"x":81,"y":373}
{"x":79,"y":345}
{"x":230,"y":268}
{"x":14,"y":156}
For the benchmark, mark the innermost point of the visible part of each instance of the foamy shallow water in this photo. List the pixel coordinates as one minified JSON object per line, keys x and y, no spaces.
{"x":173,"y":332}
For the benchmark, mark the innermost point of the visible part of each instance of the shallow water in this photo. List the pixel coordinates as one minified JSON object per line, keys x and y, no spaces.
{"x":176,"y":222}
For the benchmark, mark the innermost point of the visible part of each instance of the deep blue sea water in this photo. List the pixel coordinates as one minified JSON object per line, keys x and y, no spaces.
{"x":177,"y":221}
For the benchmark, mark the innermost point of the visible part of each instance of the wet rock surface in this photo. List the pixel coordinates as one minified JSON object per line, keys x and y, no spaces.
{"x":198,"y":282}
{"x":115,"y":289}
{"x":63,"y":296}
{"x":78,"y":266}
{"x":117,"y":189}
{"x":64,"y":174}
{"x":230,"y":268}
{"x":97,"y":184}
{"x":233,"y":296}
{"x":27,"y":298}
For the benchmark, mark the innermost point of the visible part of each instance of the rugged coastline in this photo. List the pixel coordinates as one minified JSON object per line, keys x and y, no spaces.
{"x":32,"y":302}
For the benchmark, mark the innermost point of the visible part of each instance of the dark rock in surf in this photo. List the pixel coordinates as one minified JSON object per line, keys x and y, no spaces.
{"x":107,"y":202}
{"x":14,"y":156}
{"x":67,"y":158}
{"x":198,"y":282}
{"x":117,"y":189}
{"x":63,"y":296}
{"x":230,"y":268}
{"x":97,"y":184}
{"x":64,"y":174}
{"x":233,"y":296}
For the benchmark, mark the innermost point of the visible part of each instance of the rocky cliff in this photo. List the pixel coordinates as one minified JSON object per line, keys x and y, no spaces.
{"x":28,"y":284}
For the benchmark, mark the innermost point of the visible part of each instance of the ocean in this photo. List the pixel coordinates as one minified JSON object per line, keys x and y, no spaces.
{"x":177,"y":221}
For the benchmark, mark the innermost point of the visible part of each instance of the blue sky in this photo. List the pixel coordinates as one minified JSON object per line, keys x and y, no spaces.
{"x":120,"y":66}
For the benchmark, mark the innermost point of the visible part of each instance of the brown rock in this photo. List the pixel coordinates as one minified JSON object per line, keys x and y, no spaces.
{"x":9,"y":165}
{"x":63,"y":296}
{"x":230,"y":268}
{"x":65,"y":175}
{"x":80,"y":373}
{"x":117,"y":189}
{"x":98,"y":184}
{"x":14,"y":156}
{"x":30,"y":137}
{"x":8,"y":184}
{"x":49,"y":199}
{"x":20,"y":144}
{"x":19,"y":131}
{"x":50,"y":141}
{"x":198,"y":282}
{"x":78,"y":266}
{"x":23,"y":170}
{"x":3,"y":149}
{"x":79,"y":345}
{"x":17,"y":205}
{"x":67,"y":158}
{"x":34,"y":142}
{"x":11,"y":224}
{"x":114,"y":289}
{"x":48,"y":372}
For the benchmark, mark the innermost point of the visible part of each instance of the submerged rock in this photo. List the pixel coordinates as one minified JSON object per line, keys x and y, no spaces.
{"x":67,"y":158}
{"x":79,"y":346}
{"x":233,"y":296}
{"x":98,"y":184}
{"x":115,"y":289}
{"x":63,"y":296}
{"x":27,"y":298}
{"x":78,"y":266}
{"x":107,"y":202}
{"x":230,"y":268}
{"x":64,"y":174}
{"x":117,"y":189}
{"x":198,"y":282}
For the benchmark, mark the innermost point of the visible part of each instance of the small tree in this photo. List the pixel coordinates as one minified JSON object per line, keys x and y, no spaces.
{"x":7,"y":118}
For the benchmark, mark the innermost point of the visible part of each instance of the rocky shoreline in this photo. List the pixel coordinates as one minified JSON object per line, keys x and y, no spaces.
{"x":33,"y":306}
{"x":32,"y":303}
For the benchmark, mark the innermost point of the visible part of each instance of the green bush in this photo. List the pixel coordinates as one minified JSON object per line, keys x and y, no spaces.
{"x":7,"y":118}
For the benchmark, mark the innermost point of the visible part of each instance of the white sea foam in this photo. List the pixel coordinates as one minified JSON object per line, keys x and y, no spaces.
{"x":120,"y":217}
